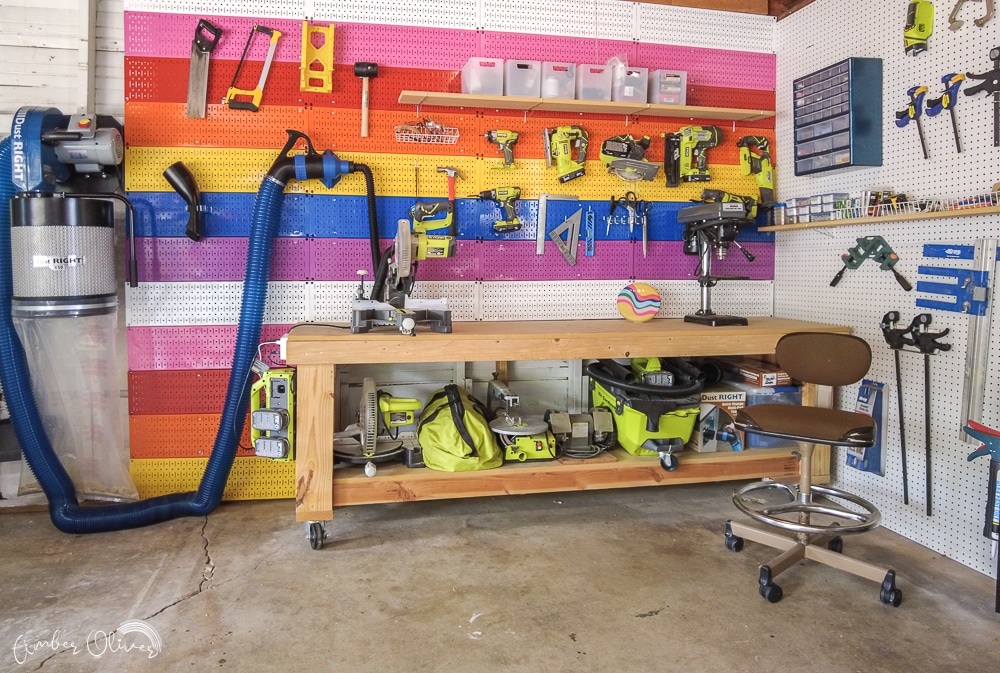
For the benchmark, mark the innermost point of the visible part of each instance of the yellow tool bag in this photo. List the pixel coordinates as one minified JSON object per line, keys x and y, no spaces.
{"x":454,"y":433}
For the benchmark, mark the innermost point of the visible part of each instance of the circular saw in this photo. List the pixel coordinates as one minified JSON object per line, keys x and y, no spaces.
{"x":625,"y":157}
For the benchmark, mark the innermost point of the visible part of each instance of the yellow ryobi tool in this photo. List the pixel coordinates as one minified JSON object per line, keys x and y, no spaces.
{"x":236,"y":98}
{"x":919,"y":26}
{"x":685,"y":157}
{"x":559,"y":143}
{"x":755,"y":159}
{"x":506,"y":140}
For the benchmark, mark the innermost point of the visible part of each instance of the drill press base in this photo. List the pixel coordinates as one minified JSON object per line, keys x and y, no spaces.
{"x":715,"y":319}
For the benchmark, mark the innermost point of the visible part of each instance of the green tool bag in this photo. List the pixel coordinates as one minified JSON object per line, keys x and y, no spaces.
{"x":454,"y":433}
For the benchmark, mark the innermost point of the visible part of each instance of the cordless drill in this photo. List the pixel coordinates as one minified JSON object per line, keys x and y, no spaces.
{"x":506,"y":197}
{"x":506,"y":140}
{"x":685,"y":157}
{"x":758,"y":165}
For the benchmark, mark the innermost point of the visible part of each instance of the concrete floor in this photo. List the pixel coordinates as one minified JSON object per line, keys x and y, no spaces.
{"x":627,"y":580}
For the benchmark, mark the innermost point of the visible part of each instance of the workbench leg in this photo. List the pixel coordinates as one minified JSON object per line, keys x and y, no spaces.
{"x":315,"y":387}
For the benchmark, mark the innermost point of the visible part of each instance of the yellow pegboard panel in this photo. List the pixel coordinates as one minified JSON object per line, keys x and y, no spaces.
{"x":250,"y":478}
{"x":215,"y":169}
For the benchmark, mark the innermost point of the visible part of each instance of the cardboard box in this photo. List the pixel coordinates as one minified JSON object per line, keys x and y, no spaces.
{"x":768,"y":395}
{"x":761,"y":373}
{"x":714,"y":430}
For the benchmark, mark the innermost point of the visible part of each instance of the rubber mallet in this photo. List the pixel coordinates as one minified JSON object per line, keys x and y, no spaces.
{"x":365,"y":71}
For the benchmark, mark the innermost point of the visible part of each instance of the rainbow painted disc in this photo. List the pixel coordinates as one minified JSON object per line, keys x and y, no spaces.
{"x":639,"y":302}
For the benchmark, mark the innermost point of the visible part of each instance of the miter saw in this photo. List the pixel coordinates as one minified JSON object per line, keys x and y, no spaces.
{"x":624,"y":156}
{"x":390,"y":303}
{"x":374,"y":438}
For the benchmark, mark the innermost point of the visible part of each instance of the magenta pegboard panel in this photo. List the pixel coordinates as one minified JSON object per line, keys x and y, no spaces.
{"x":170,"y":36}
{"x":665,"y":260}
{"x":517,"y":261}
{"x":216,"y":259}
{"x":464,"y":265}
{"x":710,"y":67}
{"x":340,"y":258}
{"x":188,"y":347}
{"x":558,"y":48}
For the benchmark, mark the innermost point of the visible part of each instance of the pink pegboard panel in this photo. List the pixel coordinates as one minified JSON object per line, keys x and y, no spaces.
{"x":711,"y":67}
{"x":340,"y":258}
{"x":188,"y":347}
{"x":516,"y":260}
{"x":170,"y":36}
{"x":665,"y":260}
{"x":404,"y":46}
{"x":559,"y":48}
{"x":463,"y":266}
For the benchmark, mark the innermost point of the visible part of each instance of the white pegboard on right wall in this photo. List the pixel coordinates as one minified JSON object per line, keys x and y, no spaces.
{"x":806,"y":260}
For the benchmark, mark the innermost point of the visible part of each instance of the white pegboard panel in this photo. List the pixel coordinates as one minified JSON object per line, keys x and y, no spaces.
{"x":593,"y":300}
{"x":457,"y":14}
{"x":667,"y":24}
{"x":170,"y":304}
{"x":332,"y":299}
{"x":275,"y":9}
{"x":805,"y":261}
{"x":601,"y":19}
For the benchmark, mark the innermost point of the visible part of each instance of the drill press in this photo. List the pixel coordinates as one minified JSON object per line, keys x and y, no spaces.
{"x":712,"y":227}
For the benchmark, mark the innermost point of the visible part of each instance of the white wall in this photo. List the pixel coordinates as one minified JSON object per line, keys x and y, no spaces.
{"x":817,"y":36}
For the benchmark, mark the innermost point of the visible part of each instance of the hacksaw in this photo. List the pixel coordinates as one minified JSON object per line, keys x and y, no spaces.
{"x":255,"y":94}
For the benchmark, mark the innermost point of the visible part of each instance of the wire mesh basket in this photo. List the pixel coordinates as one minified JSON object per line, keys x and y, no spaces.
{"x":426,"y":133}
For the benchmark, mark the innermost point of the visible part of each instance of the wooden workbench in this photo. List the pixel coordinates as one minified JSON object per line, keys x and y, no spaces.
{"x":316,"y":351}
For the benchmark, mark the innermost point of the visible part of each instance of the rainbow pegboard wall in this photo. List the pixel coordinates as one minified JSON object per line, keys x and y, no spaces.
{"x":182,"y":317}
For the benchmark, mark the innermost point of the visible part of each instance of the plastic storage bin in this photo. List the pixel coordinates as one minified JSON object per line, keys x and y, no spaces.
{"x":768,"y":395}
{"x":558,"y":80}
{"x":483,"y":76}
{"x":593,"y":82}
{"x":667,"y":87}
{"x":522,"y":78}
{"x":629,"y":84}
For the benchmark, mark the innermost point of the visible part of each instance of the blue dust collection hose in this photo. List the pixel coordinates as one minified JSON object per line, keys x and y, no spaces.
{"x":64,"y":509}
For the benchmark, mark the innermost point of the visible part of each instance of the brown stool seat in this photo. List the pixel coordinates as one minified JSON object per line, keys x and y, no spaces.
{"x":808,"y":424}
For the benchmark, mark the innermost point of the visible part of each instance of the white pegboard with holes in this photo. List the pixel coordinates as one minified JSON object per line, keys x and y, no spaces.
{"x":603,"y":19}
{"x":154,"y":304}
{"x":457,"y":14}
{"x":806,"y":260}
{"x":667,"y":24}
{"x":278,"y":9}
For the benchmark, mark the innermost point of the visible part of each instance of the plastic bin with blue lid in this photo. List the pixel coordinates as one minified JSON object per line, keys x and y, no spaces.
{"x":767,"y":395}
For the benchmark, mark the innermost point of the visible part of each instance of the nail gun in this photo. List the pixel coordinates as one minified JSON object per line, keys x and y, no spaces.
{"x":559,"y":143}
{"x":758,"y":165}
{"x":685,"y":158}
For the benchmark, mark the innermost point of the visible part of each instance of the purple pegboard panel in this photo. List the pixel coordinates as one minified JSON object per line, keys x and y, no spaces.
{"x":464,"y":265}
{"x":217,"y":259}
{"x":710,"y":67}
{"x":665,"y":260}
{"x":340,"y":258}
{"x":559,"y":48}
{"x":516,"y":260}
{"x":188,"y":347}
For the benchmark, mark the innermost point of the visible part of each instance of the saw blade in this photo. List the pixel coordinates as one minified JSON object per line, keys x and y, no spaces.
{"x":368,"y":416}
{"x":632,"y":170}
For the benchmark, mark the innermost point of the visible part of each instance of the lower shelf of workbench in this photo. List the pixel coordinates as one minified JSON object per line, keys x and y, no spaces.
{"x":398,"y":483}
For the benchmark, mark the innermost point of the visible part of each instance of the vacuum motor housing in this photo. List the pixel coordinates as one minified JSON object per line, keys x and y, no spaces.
{"x":62,"y":256}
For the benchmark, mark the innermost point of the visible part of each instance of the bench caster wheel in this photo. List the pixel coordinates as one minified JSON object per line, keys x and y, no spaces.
{"x":317,"y":535}
{"x":888,"y":593}
{"x":836,"y":545}
{"x":733,"y":542}
{"x":668,"y":462}
{"x":770,"y":591}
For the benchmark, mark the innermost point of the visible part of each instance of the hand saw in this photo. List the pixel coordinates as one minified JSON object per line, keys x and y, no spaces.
{"x":255,"y":94}
{"x":206,"y":37}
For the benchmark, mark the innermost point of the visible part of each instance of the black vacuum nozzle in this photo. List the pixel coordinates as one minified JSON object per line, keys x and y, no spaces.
{"x":180,"y":178}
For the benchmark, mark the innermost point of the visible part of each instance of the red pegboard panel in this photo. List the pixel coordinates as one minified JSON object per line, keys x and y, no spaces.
{"x":177,"y":391}
{"x":179,"y":436}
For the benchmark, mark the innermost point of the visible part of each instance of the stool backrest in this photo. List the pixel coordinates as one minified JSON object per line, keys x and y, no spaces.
{"x":824,"y":358}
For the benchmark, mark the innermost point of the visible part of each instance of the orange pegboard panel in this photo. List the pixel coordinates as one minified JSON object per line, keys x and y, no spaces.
{"x":179,"y":435}
{"x":189,"y":391}
{"x":167,"y":125}
{"x":340,"y":130}
{"x":249,"y":478}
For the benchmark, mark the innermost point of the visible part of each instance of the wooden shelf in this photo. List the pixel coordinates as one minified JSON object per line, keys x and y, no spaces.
{"x":571,"y":105}
{"x":963,"y":212}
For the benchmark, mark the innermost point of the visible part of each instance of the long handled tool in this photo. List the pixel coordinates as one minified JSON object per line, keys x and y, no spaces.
{"x":365,"y":71}
{"x":947,"y":102}
{"x":991,"y":528}
{"x":897,"y":339}
{"x":206,"y":37}
{"x":989,"y":84}
{"x":927,"y":343}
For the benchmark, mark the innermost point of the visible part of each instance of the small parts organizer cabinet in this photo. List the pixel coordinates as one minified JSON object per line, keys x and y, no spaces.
{"x":317,"y":350}
{"x":838,"y":117}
